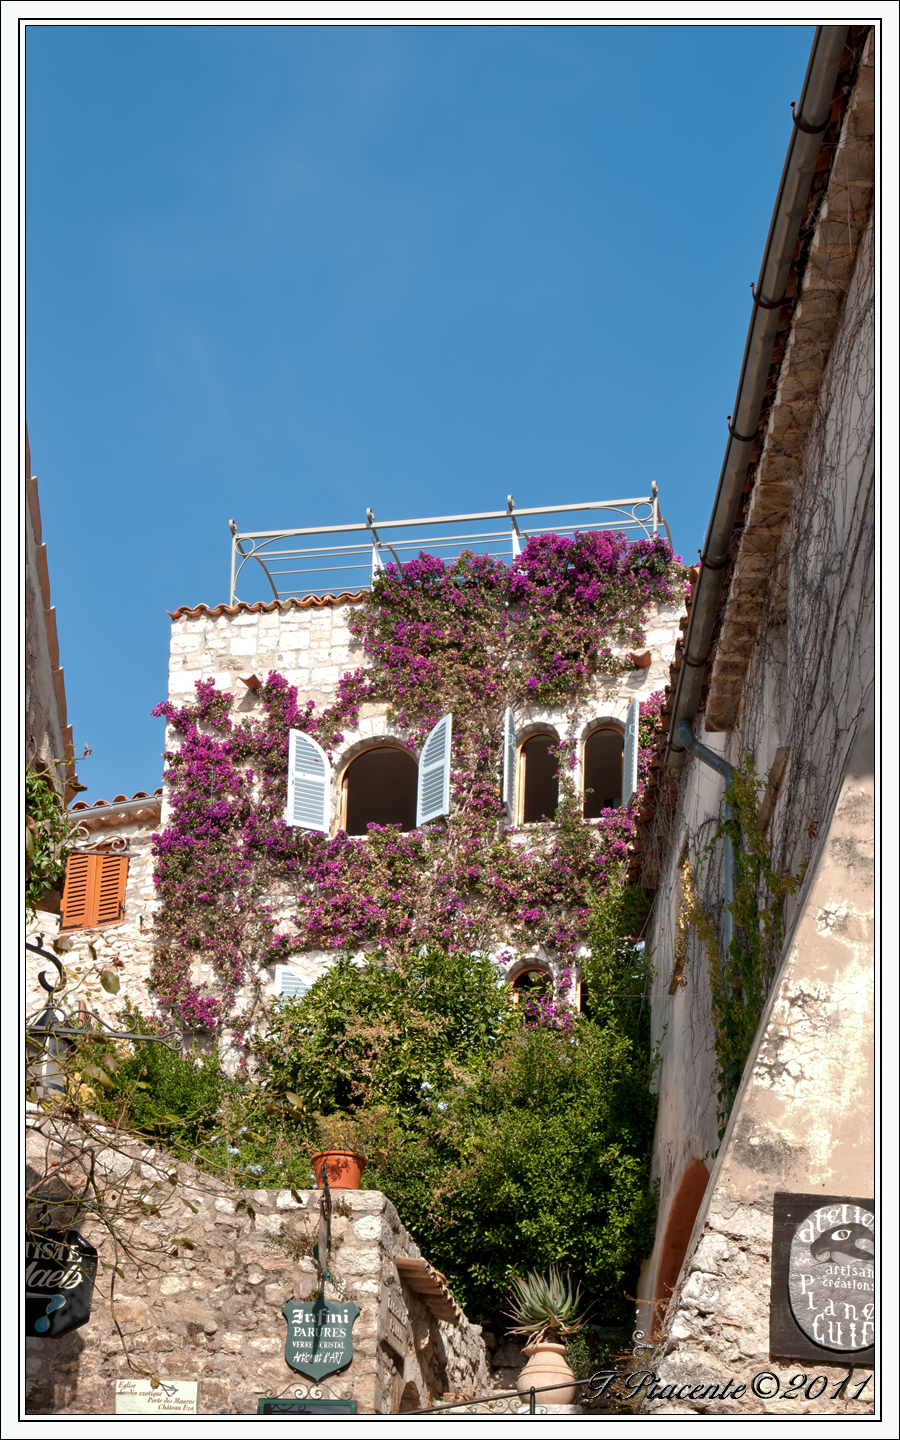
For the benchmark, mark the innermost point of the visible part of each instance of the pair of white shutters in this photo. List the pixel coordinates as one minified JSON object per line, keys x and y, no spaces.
{"x":309,"y":773}
{"x":309,"y":779}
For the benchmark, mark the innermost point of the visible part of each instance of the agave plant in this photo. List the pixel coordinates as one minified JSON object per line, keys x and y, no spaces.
{"x":544,"y":1305}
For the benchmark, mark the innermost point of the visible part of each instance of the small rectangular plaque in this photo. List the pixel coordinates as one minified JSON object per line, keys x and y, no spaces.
{"x":823,"y":1279}
{"x":306,"y":1407}
{"x":171,"y":1397}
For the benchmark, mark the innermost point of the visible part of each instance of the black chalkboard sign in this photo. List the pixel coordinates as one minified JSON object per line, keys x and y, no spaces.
{"x":60,"y":1267}
{"x":823,"y":1279}
{"x":306,"y":1407}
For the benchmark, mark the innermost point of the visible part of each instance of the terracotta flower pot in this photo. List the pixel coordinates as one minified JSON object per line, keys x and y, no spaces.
{"x":547,"y":1365}
{"x":344,"y":1169}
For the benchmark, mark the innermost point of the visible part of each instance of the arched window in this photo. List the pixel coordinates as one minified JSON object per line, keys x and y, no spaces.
{"x":379,"y":788}
{"x":534,"y":983}
{"x":539,"y":760}
{"x":603,"y":752}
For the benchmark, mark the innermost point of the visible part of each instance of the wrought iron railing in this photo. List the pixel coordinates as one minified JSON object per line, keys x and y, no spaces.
{"x":345,"y":557}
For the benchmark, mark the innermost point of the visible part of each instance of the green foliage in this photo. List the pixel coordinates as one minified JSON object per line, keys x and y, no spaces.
{"x":740,"y":985}
{"x":374,"y":1035}
{"x":48,"y":838}
{"x":173,"y":1096}
{"x":504,"y":1146}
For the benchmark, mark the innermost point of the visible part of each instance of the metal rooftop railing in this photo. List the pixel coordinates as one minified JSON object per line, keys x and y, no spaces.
{"x":287,"y":557}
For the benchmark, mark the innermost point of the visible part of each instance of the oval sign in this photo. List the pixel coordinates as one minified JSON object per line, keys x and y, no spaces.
{"x":60,"y":1268}
{"x":831,"y":1277}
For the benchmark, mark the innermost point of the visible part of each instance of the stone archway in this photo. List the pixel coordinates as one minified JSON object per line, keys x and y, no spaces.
{"x":679,"y":1224}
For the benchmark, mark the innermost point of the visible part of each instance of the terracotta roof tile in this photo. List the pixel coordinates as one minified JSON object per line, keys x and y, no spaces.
{"x":302,"y":602}
{"x":82,"y":805}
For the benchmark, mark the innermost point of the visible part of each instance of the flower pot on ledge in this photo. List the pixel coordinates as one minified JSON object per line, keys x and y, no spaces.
{"x":345,"y":1169}
{"x":547,"y":1365}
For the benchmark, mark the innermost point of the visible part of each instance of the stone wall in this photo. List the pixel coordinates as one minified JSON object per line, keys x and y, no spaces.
{"x":309,"y":643}
{"x":212,"y":1311}
{"x":127,"y":947}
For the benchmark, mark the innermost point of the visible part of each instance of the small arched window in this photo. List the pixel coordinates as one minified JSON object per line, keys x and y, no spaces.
{"x":603,"y":752}
{"x":379,"y":788}
{"x":532,"y":984}
{"x":539,"y":760}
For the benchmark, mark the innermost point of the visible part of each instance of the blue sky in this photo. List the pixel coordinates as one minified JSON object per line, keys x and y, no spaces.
{"x":283,"y":273}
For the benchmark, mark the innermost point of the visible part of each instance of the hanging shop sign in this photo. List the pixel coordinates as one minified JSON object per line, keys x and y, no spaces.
{"x":823,"y":1279}
{"x":60,"y":1268}
{"x":318,"y":1336}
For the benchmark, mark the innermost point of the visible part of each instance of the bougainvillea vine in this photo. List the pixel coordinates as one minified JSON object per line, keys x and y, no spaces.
{"x":241,"y":889}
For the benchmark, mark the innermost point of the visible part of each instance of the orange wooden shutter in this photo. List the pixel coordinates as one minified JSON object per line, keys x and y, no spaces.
{"x":78,"y":893}
{"x":113,"y":870}
{"x":95,"y":891}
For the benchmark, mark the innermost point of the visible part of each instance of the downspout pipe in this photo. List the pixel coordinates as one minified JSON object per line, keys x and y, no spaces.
{"x":811,"y":118}
{"x":709,"y":757}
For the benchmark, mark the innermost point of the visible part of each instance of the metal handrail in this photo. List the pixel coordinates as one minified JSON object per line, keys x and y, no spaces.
{"x":525,"y":1397}
{"x":633,"y":513}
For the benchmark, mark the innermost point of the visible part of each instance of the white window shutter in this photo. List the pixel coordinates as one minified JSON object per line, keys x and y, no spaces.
{"x":433,"y":793}
{"x":289,"y":984}
{"x":377,"y":562}
{"x":309,"y":784}
{"x":630,"y":758}
{"x":509,"y":761}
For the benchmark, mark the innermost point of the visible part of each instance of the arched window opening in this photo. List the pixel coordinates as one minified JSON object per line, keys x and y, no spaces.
{"x":540,"y":779}
{"x":603,"y":752}
{"x":532,"y":984}
{"x":379,"y":788}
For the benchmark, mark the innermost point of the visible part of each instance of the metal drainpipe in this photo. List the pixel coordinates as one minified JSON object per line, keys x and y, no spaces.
{"x":810,"y":120}
{"x":715,"y":762}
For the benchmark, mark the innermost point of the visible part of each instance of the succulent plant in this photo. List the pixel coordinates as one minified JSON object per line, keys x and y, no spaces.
{"x":544,"y":1305}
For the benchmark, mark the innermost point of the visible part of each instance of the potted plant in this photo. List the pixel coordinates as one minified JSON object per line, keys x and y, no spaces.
{"x":545,"y":1309}
{"x":341,"y":1149}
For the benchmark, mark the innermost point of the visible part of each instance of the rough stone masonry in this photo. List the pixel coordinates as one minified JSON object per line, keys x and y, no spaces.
{"x":208,"y":1308}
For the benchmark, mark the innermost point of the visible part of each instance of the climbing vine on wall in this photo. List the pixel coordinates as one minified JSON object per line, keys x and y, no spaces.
{"x":241,"y":889}
{"x":49,"y":836}
{"x":740,"y":984}
{"x":739,"y":980}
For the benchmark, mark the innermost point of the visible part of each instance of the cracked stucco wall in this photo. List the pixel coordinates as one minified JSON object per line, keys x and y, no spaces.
{"x":803,"y":1121}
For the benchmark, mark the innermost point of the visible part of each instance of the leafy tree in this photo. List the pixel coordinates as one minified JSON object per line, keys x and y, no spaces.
{"x":378,"y":1035}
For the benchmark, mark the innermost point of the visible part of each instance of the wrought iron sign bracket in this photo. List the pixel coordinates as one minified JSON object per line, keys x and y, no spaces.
{"x":84,"y":1024}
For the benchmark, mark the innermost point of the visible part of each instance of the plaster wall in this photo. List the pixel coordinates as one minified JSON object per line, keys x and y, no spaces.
{"x":803,"y":1122}
{"x":792,"y":686}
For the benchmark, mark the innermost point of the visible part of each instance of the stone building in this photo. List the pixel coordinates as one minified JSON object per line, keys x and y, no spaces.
{"x":307,"y":642}
{"x":776,"y":670}
{"x":48,"y":735}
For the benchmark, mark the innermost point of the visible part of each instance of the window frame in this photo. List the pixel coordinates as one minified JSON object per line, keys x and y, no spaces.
{"x":538,"y":732}
{"x":606,"y":722}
